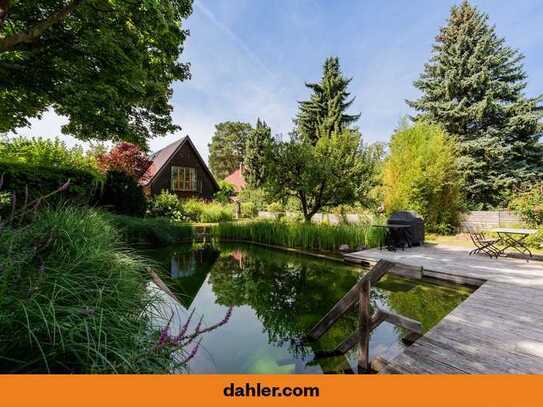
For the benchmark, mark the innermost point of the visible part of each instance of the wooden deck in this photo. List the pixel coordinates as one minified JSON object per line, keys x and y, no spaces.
{"x":498,"y":329}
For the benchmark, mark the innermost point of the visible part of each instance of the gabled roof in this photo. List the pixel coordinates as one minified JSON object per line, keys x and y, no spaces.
{"x":162,"y":157}
{"x":237,"y":179}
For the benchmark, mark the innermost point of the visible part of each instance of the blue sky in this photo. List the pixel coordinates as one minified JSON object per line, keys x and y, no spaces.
{"x":250,"y":59}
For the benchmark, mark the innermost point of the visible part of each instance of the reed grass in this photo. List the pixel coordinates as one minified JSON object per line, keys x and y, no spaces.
{"x":315,"y":237}
{"x":73,"y":299}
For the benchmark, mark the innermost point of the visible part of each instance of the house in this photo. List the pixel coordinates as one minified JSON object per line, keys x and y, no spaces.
{"x":179,"y":168}
{"x":237,"y":179}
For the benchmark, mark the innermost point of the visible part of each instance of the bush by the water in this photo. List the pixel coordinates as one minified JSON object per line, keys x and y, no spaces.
{"x":168,"y":205}
{"x":150,"y":231}
{"x":421,"y":174}
{"x":72,"y":299}
{"x":122,"y":194}
{"x":207,"y":212}
{"x":300,"y":235}
{"x":40,"y":180}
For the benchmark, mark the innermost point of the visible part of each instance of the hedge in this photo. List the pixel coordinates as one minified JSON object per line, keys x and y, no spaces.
{"x":42,"y":180}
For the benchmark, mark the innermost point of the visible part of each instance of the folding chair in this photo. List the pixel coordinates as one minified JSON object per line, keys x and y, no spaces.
{"x":483,"y":244}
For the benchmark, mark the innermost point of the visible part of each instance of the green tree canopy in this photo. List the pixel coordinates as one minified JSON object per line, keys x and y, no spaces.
{"x":473,"y":86}
{"x":256,"y":145}
{"x":227,"y":147}
{"x":107,"y":65}
{"x":325,"y":174}
{"x":421,"y":174}
{"x":324,"y":112}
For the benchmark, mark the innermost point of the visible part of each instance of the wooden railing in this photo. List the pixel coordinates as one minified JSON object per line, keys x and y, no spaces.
{"x":367,"y":322}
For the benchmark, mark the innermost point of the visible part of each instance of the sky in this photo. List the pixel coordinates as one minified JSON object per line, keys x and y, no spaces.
{"x":250,"y":59}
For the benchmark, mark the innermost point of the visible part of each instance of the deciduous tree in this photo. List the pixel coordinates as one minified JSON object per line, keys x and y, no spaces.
{"x":325,"y":174}
{"x":126,"y":158}
{"x":107,"y":65}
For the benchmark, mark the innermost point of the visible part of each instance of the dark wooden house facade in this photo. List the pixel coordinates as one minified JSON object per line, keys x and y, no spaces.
{"x":179,"y":168}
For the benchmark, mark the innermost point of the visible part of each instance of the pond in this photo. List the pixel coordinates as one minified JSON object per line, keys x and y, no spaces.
{"x":277,"y":296}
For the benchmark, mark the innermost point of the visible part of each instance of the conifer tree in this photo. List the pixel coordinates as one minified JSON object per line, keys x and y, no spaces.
{"x":258,"y":141}
{"x":473,"y":86}
{"x":324,"y":112}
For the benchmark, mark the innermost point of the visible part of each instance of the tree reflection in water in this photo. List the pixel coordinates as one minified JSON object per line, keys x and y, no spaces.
{"x":283,"y":295}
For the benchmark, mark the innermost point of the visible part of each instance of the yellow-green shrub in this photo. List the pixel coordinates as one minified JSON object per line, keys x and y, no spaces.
{"x":421,"y":174}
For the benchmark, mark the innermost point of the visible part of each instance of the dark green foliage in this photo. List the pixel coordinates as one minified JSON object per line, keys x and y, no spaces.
{"x":300,"y":235}
{"x":324,"y":113}
{"x":41,"y":180}
{"x":474,"y":87}
{"x":150,"y":231}
{"x":73,"y":300}
{"x":106,"y":65}
{"x":122,"y":194}
{"x":227,"y":147}
{"x":258,"y":142}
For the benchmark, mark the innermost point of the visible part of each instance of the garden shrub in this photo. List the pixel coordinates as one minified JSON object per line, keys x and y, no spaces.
{"x":73,"y":299}
{"x":41,"y":180}
{"x":421,"y":174}
{"x":529,"y":205}
{"x":166,"y":205}
{"x":122,"y":194}
{"x":225,"y":193}
{"x":256,"y":197}
{"x":207,"y":212}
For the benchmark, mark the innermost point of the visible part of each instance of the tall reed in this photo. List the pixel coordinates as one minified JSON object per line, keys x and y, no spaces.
{"x":300,"y":235}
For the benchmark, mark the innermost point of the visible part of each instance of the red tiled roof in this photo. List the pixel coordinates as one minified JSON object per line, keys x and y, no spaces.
{"x":237,"y":179}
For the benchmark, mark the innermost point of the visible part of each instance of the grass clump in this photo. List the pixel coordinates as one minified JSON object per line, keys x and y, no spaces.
{"x":73,"y":300}
{"x":306,"y":236}
{"x":150,"y":231}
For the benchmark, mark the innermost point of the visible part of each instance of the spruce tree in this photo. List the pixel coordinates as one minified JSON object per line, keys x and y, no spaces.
{"x":473,"y":86}
{"x":256,"y":145}
{"x":324,"y":113}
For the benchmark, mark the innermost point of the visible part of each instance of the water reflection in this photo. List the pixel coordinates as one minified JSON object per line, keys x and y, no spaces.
{"x":278,"y":297}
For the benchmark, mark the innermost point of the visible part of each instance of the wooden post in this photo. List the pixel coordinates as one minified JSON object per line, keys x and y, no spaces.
{"x":364,"y":321}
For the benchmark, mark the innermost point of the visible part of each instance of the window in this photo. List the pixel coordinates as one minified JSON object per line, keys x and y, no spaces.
{"x":183,"y":179}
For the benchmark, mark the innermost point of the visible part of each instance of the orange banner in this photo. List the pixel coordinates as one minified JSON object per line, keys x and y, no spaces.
{"x":218,"y":390}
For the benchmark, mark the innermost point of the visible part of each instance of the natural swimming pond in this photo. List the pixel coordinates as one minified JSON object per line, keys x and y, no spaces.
{"x":277,"y":297}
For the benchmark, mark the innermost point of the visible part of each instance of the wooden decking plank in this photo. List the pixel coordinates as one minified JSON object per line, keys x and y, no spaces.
{"x":498,"y":329}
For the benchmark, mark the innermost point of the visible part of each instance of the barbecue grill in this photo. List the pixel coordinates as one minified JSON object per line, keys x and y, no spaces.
{"x":414,"y":236}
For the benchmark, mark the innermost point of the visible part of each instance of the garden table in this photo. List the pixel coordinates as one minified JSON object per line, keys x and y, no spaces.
{"x":514,"y":239}
{"x":401,"y":231}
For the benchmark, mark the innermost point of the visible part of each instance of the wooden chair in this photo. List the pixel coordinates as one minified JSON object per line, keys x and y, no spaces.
{"x":483,"y":244}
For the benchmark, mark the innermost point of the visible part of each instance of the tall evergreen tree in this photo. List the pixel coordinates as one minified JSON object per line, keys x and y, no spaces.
{"x":324,"y":112}
{"x":473,"y":86}
{"x":258,"y":141}
{"x":227,"y":147}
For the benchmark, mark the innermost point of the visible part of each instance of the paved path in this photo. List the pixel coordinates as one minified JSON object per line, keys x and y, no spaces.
{"x":498,"y":329}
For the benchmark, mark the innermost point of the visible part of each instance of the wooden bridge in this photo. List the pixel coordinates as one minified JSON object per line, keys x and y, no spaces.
{"x":498,"y":329}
